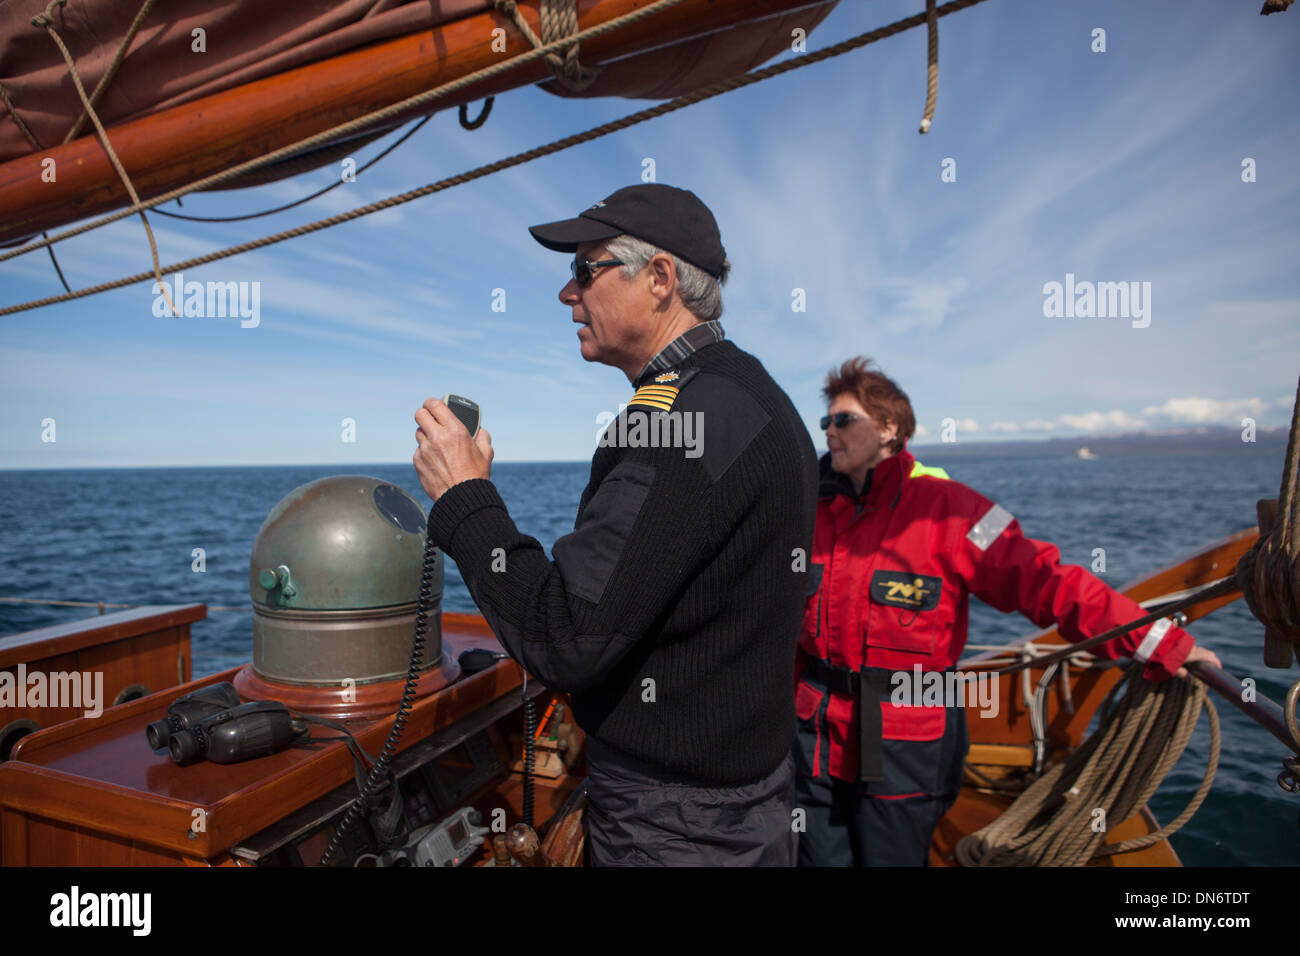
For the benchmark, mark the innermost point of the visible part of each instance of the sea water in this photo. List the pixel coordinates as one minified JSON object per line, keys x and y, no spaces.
{"x":129,"y":536}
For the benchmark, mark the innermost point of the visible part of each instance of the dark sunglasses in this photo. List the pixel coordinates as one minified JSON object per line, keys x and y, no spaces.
{"x":841,"y":420}
{"x":582,"y":269}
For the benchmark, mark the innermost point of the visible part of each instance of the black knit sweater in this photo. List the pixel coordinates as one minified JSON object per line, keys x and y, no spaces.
{"x":672,"y":611}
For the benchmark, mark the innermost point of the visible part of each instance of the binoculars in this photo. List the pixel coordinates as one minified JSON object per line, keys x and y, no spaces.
{"x":250,"y":730}
{"x":190,"y":709}
{"x":212,"y":724}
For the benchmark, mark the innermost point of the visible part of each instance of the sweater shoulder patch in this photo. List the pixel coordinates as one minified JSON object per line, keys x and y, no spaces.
{"x":726,"y":417}
{"x":588,"y":555}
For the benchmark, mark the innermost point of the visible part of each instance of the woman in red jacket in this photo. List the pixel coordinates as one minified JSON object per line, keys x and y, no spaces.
{"x":897,"y":551}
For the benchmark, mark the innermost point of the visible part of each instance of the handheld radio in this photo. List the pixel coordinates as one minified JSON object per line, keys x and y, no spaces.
{"x":465,"y":410}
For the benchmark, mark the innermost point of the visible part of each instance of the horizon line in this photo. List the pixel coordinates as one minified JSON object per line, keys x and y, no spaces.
{"x":1281,"y":430}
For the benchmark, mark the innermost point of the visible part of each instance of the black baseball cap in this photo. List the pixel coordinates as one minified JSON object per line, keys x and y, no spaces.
{"x":672,"y":219}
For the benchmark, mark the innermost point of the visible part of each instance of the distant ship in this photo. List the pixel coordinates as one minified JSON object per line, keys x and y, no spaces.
{"x":1085,"y":452}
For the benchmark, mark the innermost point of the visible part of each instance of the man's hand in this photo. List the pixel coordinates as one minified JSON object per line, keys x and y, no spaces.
{"x":447,"y":455}
{"x":1198,"y":653}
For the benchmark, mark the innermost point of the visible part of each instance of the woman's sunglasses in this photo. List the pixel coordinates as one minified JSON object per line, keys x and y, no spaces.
{"x":582,"y":269}
{"x":841,"y":420}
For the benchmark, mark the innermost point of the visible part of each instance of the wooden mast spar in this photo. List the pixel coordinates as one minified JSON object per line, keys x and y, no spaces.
{"x":179,"y":145}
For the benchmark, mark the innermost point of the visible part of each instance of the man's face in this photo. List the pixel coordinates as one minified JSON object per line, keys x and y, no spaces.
{"x":609,"y":326}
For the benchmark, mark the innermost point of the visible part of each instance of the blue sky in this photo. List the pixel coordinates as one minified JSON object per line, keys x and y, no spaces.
{"x":1116,"y":166}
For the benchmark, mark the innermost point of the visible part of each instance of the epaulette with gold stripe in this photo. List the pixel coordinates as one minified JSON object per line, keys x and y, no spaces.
{"x":662,"y":389}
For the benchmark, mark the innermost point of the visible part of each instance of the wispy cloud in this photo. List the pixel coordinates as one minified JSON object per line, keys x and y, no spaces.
{"x":1200,"y":410}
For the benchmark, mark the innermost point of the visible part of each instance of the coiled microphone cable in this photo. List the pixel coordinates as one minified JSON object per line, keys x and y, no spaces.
{"x":530,"y":750}
{"x":379,"y":770}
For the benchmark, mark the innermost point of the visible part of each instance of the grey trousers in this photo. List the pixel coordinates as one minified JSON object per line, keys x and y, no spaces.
{"x":638,"y":815}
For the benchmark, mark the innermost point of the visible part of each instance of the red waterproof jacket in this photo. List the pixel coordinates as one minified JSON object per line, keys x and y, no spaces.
{"x":895,"y":577}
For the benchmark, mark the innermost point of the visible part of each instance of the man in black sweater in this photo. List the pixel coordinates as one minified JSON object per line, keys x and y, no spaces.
{"x":672,"y":611}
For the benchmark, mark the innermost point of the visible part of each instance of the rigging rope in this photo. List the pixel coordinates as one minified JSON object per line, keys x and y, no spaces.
{"x":724,"y":86}
{"x":1116,"y":770}
{"x":46,"y":20}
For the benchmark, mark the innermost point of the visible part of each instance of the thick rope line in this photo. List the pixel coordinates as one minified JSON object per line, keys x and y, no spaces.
{"x":355,"y":125}
{"x":680,"y":102}
{"x":46,"y":20}
{"x":932,"y":65}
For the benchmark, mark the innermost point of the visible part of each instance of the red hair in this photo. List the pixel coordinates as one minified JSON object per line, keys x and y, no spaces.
{"x":876,"y":393}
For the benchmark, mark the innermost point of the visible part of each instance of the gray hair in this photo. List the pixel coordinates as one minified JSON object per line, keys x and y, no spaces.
{"x":701,"y":293}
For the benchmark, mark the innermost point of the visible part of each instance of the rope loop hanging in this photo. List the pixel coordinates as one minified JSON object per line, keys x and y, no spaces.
{"x":479,"y":120}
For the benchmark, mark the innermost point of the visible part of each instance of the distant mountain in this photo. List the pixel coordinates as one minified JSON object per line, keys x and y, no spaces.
{"x":1182,"y":441}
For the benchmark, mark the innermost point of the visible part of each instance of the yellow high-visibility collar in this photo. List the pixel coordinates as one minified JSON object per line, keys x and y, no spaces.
{"x":921,"y":471}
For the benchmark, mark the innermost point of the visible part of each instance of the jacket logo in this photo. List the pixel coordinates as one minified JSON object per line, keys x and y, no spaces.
{"x":908,"y":593}
{"x":917,"y":592}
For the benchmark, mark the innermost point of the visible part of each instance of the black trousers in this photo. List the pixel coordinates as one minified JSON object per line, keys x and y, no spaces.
{"x":640,"y":816}
{"x":890,"y":823}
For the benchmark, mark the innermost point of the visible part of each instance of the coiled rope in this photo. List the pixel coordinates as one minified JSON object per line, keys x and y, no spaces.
{"x":1055,"y":822}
